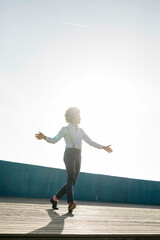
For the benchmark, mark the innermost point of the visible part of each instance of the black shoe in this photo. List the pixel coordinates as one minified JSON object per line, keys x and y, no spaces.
{"x":71,"y":207}
{"x":54,"y":204}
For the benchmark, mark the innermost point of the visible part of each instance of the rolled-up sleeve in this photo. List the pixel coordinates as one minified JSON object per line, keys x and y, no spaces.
{"x":90,"y":142}
{"x":56,"y":138}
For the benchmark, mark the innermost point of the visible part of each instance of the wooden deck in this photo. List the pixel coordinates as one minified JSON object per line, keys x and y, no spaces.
{"x":34,"y":218}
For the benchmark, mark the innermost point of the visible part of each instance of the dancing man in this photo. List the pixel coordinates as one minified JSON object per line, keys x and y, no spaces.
{"x":73,"y":136}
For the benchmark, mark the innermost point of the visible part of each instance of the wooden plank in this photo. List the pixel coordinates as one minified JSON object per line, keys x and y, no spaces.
{"x":35,"y":216}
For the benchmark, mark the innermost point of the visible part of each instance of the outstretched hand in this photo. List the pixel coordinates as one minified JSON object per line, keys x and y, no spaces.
{"x":108,"y":149}
{"x":40,"y":136}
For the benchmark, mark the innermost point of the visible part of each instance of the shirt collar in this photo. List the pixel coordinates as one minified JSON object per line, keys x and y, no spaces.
{"x":73,"y":126}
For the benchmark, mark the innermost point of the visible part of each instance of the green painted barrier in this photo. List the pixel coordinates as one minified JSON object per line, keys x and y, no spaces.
{"x":24,"y":180}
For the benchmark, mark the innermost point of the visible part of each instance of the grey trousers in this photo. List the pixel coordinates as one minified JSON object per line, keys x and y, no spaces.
{"x":72,"y":160}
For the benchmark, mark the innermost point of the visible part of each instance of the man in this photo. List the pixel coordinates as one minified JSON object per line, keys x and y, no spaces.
{"x":73,"y":136}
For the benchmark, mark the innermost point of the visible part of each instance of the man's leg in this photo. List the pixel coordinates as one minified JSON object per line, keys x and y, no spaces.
{"x":72,"y":159}
{"x":78,"y":166}
{"x":58,"y":196}
{"x":73,"y":162}
{"x":61,"y":192}
{"x":71,"y":171}
{"x":69,"y":157}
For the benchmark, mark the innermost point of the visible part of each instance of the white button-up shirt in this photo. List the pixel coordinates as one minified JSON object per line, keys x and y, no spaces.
{"x":73,"y":136}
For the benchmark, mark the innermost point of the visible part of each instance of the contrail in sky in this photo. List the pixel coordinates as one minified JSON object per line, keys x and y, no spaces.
{"x":74,"y":24}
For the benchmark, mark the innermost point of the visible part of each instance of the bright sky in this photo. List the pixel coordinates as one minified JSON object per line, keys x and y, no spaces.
{"x":101,"y":56}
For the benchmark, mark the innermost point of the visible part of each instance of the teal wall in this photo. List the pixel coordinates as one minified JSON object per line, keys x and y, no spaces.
{"x":24,"y":180}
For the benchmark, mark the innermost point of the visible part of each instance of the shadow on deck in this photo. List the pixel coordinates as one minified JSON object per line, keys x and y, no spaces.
{"x":22,"y":218}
